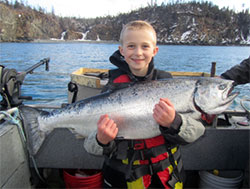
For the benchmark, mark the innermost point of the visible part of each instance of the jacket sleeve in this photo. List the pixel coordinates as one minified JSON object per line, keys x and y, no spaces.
{"x":191,"y":129}
{"x":239,"y":73}
{"x":93,"y":147}
{"x":184,"y":130}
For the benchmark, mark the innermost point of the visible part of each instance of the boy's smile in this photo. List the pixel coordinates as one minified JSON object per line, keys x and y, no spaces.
{"x":138,"y":48}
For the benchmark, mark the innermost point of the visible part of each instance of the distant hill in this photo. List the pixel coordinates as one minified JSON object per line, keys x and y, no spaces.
{"x":191,"y":23}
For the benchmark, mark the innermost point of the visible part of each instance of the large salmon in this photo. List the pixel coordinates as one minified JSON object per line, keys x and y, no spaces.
{"x":131,"y":108}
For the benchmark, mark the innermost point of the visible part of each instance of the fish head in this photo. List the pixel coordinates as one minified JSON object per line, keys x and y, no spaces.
{"x":213,"y":95}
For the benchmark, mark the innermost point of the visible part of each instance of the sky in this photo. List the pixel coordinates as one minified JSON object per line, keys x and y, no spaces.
{"x":95,"y":8}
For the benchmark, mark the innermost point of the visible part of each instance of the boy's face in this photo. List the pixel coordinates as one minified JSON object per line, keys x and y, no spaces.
{"x":138,"y":48}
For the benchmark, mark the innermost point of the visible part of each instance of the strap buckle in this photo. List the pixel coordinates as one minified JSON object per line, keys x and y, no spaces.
{"x":172,"y":181}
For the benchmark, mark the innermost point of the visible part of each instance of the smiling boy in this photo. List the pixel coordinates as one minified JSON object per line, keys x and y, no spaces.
{"x":138,"y":48}
{"x":149,"y":162}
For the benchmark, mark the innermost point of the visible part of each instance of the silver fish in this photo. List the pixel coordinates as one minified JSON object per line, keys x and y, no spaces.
{"x":131,"y":108}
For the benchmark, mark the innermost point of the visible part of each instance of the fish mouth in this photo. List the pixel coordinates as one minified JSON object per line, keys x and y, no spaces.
{"x":227,"y":97}
{"x":230,"y":96}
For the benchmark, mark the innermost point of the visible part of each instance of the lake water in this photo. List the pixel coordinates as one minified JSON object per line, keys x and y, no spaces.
{"x":51,"y":87}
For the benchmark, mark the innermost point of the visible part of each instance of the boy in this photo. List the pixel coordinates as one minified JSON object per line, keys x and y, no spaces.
{"x":150,"y":162}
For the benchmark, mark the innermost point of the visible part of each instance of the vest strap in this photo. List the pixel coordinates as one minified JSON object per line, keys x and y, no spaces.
{"x":178,"y":171}
{"x":152,"y":168}
{"x":140,"y":154}
{"x":133,"y":172}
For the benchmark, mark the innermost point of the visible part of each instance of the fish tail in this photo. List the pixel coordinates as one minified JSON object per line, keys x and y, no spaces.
{"x":34,"y":135}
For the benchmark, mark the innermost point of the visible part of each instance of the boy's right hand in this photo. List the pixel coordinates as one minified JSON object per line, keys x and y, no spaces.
{"x":106,"y":130}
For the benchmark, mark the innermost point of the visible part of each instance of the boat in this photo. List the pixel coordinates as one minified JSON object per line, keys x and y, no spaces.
{"x":222,"y":147}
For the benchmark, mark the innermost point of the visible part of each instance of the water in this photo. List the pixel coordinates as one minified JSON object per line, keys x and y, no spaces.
{"x":51,"y":87}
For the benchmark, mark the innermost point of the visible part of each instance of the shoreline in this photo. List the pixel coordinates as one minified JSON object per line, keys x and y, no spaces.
{"x":116,"y":42}
{"x":70,"y":41}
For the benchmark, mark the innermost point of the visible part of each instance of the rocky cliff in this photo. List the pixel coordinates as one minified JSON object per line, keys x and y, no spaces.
{"x":26,"y":24}
{"x":186,"y":23}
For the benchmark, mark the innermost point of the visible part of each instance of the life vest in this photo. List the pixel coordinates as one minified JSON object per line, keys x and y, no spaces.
{"x":122,"y":79}
{"x":138,"y":160}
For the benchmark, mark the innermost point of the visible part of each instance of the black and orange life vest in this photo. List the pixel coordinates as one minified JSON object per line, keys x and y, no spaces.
{"x":137,"y":160}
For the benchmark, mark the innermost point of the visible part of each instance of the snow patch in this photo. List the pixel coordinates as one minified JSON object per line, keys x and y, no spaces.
{"x":185,"y":35}
{"x":84,"y":36}
{"x":63,"y":35}
{"x":245,"y":41}
{"x":98,"y":38}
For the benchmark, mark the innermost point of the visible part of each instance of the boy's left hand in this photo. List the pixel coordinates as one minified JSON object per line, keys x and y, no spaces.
{"x":164,"y":112}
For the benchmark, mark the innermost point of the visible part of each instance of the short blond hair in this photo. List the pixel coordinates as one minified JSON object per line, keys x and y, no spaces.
{"x":137,"y":25}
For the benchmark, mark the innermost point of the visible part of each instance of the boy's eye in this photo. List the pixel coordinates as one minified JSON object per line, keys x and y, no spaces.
{"x":145,"y":46}
{"x":131,"y":46}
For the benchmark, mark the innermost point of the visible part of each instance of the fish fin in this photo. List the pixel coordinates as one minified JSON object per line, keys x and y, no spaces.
{"x":34,"y":135}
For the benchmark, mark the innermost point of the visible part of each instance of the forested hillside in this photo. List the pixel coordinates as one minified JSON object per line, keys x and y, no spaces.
{"x":195,"y":23}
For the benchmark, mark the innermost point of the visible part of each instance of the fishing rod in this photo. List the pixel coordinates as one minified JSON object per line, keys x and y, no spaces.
{"x":10,"y":84}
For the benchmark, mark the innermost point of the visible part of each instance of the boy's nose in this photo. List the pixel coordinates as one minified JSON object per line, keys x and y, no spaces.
{"x":138,"y":51}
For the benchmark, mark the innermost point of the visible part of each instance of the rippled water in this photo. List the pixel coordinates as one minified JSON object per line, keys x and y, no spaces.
{"x":51,"y":87}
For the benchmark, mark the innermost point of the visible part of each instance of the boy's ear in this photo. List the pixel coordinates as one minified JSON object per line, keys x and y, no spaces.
{"x":121,"y":50}
{"x":155,"y":51}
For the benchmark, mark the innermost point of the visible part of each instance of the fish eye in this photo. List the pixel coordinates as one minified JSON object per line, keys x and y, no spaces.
{"x":222,"y":86}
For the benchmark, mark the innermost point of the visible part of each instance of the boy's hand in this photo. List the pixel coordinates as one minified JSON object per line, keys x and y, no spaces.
{"x":106,"y":130}
{"x":164,"y":112}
